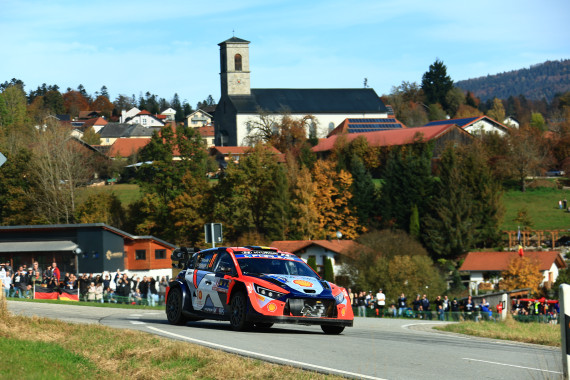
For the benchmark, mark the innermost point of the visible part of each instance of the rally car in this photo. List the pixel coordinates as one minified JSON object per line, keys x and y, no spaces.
{"x":254,"y":286}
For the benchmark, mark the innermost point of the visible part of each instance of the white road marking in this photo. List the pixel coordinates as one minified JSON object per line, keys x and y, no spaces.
{"x":138,"y":323}
{"x":512,"y":365}
{"x":268,"y":357}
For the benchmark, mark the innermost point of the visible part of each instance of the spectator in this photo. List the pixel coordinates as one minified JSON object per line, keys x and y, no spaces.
{"x":55,"y":272}
{"x":162,"y":285}
{"x":47,"y":274}
{"x":485,"y":310}
{"x":517,"y":308}
{"x":83,"y":286}
{"x":380,"y":303}
{"x":98,"y":292}
{"x":362,"y":304}
{"x":425,"y":306}
{"x":153,"y":293}
{"x":469,"y":307}
{"x":111,"y":296}
{"x":446,"y":304}
{"x":351,"y":297}
{"x":144,"y":290}
{"x":417,"y":305}
{"x":136,"y":296}
{"x":368,"y":300}
{"x":91,"y":292}
{"x":123,"y":288}
{"x":455,"y":309}
{"x":37,"y":273}
{"x":439,"y":308}
{"x":393,"y":311}
{"x":7,"y":284}
{"x":402,"y":306}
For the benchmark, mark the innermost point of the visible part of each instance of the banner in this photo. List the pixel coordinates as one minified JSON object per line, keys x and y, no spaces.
{"x":69,"y":294}
{"x":41,"y":293}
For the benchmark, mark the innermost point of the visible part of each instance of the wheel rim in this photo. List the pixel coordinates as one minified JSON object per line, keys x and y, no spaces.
{"x":173,"y":304}
{"x":237,"y":310}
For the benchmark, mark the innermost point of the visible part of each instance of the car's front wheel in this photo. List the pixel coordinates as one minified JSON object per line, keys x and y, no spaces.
{"x":238,"y":315}
{"x":174,"y":307}
{"x":332,"y":330}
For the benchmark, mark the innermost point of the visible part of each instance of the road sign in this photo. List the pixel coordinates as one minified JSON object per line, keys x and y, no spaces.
{"x":2,"y":159}
{"x":213,"y":233}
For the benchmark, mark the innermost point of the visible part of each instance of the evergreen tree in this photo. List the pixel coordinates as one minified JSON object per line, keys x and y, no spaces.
{"x":364,"y":197}
{"x":312,"y":262}
{"x":415,"y":223}
{"x":436,"y":84}
{"x":448,"y":227}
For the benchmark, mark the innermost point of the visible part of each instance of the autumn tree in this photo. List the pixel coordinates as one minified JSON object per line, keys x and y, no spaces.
{"x":522,"y":272}
{"x":91,"y":137}
{"x":526,"y":154}
{"x":101,"y":207}
{"x":304,"y":222}
{"x":498,"y":111}
{"x":465,"y":110}
{"x":103,"y":105}
{"x":332,"y":201}
{"x":74,"y":102}
{"x":395,"y":262}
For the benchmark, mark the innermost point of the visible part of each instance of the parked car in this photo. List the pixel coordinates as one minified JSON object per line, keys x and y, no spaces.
{"x":254,"y":286}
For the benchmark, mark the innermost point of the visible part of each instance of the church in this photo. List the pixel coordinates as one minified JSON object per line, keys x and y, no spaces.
{"x":240,"y":105}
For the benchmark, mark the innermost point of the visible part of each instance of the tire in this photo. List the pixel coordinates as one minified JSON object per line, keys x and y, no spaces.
{"x":238,"y":314}
{"x":332,"y":330}
{"x":263,"y":325}
{"x":174,"y":305}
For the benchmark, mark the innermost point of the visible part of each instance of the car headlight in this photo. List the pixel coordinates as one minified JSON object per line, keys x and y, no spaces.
{"x":267,"y":292}
{"x":339,"y":298}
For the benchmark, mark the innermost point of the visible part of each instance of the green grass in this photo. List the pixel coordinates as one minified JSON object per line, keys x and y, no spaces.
{"x":39,"y":360}
{"x":127,"y":193}
{"x":536,"y":333}
{"x":542,"y":206}
{"x":92,"y":304}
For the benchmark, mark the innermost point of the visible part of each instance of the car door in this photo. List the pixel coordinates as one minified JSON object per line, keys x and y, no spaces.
{"x":222,"y":278}
{"x":199,"y":281}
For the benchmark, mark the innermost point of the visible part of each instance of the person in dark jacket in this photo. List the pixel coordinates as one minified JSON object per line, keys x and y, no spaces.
{"x":425,"y":307}
{"x":402,"y":305}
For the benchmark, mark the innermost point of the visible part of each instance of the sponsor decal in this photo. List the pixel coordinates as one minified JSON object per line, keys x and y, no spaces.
{"x":279,"y":278}
{"x":342,"y":312}
{"x":222,"y":285}
{"x":199,"y":294}
{"x":271,"y":307}
{"x":304,"y":283}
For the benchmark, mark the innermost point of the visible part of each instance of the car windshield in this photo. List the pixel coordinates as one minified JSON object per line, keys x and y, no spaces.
{"x":261,"y":266}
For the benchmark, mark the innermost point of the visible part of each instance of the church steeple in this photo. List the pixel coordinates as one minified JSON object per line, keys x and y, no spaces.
{"x":234,"y":67}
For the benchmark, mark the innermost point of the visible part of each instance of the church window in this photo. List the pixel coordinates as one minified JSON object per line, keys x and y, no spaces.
{"x":237,"y":61}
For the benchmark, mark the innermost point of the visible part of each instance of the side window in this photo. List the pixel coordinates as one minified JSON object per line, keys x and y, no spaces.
{"x":205,"y":260}
{"x":225,"y":264}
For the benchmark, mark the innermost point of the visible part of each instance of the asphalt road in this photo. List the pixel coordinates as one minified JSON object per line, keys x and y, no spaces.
{"x":372,"y":349}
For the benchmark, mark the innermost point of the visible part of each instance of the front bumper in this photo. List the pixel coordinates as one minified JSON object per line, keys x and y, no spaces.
{"x":300,"y":320}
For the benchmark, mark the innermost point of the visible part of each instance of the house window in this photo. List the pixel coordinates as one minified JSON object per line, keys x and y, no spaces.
{"x":140,"y":254}
{"x":237,"y":61}
{"x":144,"y":120}
{"x":160,"y":254}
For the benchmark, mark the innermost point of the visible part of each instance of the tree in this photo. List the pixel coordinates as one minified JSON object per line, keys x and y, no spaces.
{"x":304,"y":222}
{"x":105,"y":92}
{"x":454,"y":98}
{"x":91,"y":137}
{"x":415,"y":223}
{"x":465,"y":110}
{"x":436,"y":112}
{"x":498,"y":111}
{"x":101,"y":208}
{"x":526,"y":154}
{"x":522,"y":272}
{"x":436,"y":84}
{"x":312,"y":262}
{"x":537,"y":121}
{"x":332,"y":199}
{"x":123,"y":103}
{"x":74,"y":102}
{"x":59,"y":166}
{"x":103,"y":105}
{"x":13,"y":106}
{"x":15,"y":205}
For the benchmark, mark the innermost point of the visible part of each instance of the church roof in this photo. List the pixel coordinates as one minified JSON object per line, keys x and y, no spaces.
{"x":310,"y":101}
{"x":234,"y":40}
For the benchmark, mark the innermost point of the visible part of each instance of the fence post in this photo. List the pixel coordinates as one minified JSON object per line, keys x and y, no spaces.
{"x":565,"y":326}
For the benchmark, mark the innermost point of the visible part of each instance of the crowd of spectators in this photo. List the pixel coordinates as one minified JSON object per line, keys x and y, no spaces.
{"x":105,"y":287}
{"x":366,"y":304}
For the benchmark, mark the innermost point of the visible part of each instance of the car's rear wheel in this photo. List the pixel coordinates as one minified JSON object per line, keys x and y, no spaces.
{"x":174,"y":307}
{"x":238,"y":314}
{"x":332,"y":330}
{"x":263,"y":325}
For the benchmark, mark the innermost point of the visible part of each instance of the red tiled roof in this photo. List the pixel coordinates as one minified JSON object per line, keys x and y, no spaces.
{"x":346,"y":247}
{"x":124,"y":147}
{"x":160,"y":116}
{"x":401,"y":136}
{"x":94,"y":121}
{"x":206,"y":131}
{"x":144,"y":112}
{"x":238,"y":149}
{"x":499,"y":261}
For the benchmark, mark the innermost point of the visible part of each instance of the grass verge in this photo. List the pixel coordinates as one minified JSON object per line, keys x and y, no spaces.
{"x":41,"y":348}
{"x":92,"y":304}
{"x":537,"y":333}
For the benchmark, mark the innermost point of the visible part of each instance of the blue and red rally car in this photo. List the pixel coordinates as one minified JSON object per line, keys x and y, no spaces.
{"x":254,"y":286}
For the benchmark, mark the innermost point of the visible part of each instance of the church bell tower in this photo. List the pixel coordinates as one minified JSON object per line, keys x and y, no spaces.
{"x":234,"y":67}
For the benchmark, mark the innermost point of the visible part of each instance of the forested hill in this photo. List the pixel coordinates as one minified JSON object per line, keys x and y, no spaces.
{"x":541,"y":81}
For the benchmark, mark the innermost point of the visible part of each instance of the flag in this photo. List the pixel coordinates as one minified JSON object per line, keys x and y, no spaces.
{"x":521,"y":253}
{"x":69,"y":294}
{"x":41,"y":293}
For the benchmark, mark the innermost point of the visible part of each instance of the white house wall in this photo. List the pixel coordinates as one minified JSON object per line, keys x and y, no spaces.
{"x":483,"y":126}
{"x":325,"y":122}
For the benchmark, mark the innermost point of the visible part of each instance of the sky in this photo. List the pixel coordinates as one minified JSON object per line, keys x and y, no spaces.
{"x":167,"y":47}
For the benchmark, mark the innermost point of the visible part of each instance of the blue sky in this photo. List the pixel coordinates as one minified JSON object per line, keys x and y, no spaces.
{"x":171,"y":46}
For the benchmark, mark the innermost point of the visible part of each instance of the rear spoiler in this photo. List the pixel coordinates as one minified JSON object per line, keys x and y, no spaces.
{"x":181,"y":255}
